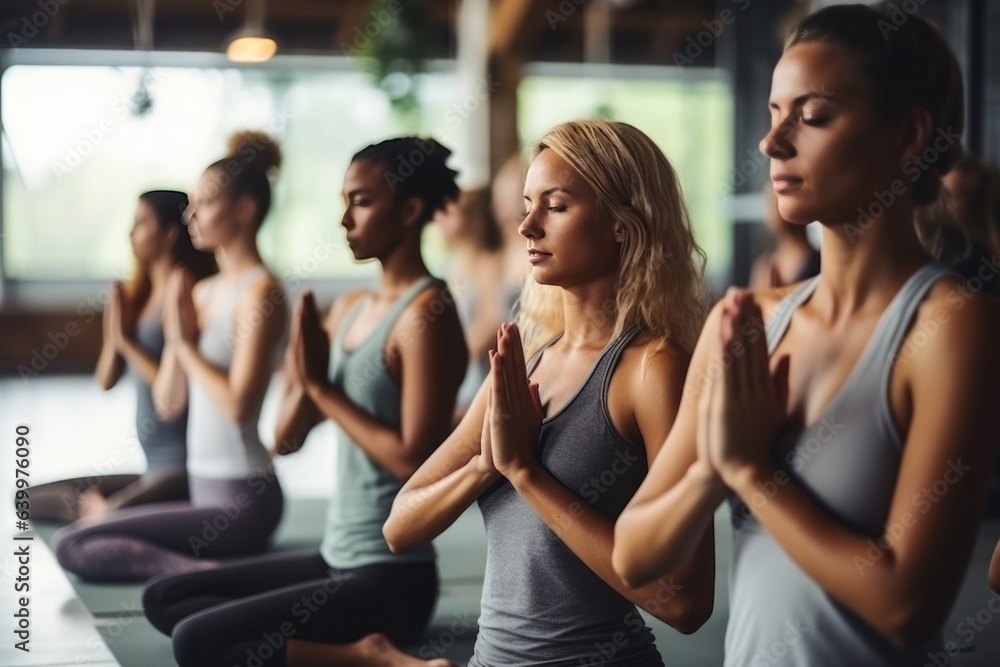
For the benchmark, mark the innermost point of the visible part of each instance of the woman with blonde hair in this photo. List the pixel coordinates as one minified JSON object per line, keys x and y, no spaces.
{"x":554,"y":448}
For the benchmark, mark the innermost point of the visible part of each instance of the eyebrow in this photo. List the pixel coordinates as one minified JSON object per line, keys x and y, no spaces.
{"x":360,"y":191}
{"x":550,"y":191}
{"x":802,"y":99}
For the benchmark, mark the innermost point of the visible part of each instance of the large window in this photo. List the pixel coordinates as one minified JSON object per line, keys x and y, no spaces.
{"x":80,"y":142}
{"x":77,"y":152}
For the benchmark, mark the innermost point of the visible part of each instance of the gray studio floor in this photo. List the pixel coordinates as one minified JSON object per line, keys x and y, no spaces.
{"x":77,"y":429}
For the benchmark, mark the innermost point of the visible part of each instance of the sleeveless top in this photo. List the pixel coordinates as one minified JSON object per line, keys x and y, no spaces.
{"x":219,"y":448}
{"x":163,"y":442}
{"x":849,"y":461}
{"x":541,"y":604}
{"x":364,"y":490}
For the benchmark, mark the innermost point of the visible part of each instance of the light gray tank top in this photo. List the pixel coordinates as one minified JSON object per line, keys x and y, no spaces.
{"x":219,"y":448}
{"x":365,"y":490}
{"x":849,"y":461}
{"x":541,"y":604}
{"x":163,"y":443}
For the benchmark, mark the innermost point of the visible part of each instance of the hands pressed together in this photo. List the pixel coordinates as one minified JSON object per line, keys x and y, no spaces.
{"x":180,"y":319}
{"x":743,"y":402}
{"x":308,"y":351}
{"x":513,"y":416}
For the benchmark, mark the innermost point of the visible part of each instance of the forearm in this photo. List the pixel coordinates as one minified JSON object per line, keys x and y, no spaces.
{"x":875,"y":586}
{"x":383,"y":444}
{"x":170,"y":385}
{"x":590,"y":535}
{"x":298,"y":416}
{"x":140,"y":361}
{"x":657,"y":536}
{"x":109,"y":367}
{"x":214,"y":381}
{"x":422,"y":513}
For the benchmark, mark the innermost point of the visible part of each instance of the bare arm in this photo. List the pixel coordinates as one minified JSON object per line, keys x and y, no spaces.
{"x":665,"y":522}
{"x":110,"y":365}
{"x":169,"y":388}
{"x":685,"y":598}
{"x":239,"y":391}
{"x":907,"y":591}
{"x":298,"y":414}
{"x":433,"y":357}
{"x":445,"y":485}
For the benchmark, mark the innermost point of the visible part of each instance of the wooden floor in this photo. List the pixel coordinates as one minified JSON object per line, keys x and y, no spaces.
{"x":77,"y":430}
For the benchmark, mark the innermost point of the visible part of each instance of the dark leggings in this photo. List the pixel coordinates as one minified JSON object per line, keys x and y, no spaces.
{"x":244,"y":613}
{"x":225,"y":518}
{"x":59,"y":501}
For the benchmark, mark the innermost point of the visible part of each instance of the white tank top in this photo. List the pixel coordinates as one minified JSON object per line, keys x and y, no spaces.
{"x":219,"y":448}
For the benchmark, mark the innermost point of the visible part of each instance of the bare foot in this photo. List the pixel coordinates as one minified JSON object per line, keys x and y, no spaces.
{"x":378,"y":650}
{"x":93,"y":505}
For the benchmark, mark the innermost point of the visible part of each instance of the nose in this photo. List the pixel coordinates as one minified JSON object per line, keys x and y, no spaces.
{"x":776,"y":144}
{"x":187,"y":214}
{"x":529,"y":227}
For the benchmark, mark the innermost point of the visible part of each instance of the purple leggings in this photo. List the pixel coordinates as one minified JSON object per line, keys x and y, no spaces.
{"x":225,"y":518}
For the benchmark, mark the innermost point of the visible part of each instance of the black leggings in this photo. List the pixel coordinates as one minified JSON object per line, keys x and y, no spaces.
{"x":244,"y":613}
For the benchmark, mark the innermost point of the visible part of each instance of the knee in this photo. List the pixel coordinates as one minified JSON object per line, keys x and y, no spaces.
{"x":67,"y":549}
{"x":193,"y":641}
{"x":154,"y":604}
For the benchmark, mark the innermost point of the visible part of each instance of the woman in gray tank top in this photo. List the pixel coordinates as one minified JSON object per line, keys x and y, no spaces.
{"x":221,"y":344}
{"x":850,"y":420}
{"x":131,"y":347}
{"x":384,"y":367}
{"x":614,"y":301}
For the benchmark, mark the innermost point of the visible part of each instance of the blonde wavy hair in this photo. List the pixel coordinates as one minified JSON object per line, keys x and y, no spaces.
{"x":660,"y":284}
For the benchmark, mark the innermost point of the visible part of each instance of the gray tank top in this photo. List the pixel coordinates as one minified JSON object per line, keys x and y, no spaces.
{"x":849,"y":461}
{"x":541,"y":604}
{"x":219,"y":448}
{"x":162,"y":442}
{"x":365,"y":490}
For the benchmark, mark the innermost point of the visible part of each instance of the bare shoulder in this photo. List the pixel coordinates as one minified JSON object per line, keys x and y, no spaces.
{"x":953,"y":323}
{"x":341,"y":305}
{"x":649,"y":357}
{"x":436,"y":304}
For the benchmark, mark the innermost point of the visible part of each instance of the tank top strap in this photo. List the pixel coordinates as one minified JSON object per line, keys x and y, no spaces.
{"x":782,"y":315}
{"x":609,"y":359}
{"x":537,"y":356}
{"x":381,"y":332}
{"x":244,"y":283}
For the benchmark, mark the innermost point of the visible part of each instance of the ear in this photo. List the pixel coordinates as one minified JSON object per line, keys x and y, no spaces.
{"x":412,"y":211}
{"x":916,"y":135}
{"x":246,"y":210}
{"x":619,"y":230}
